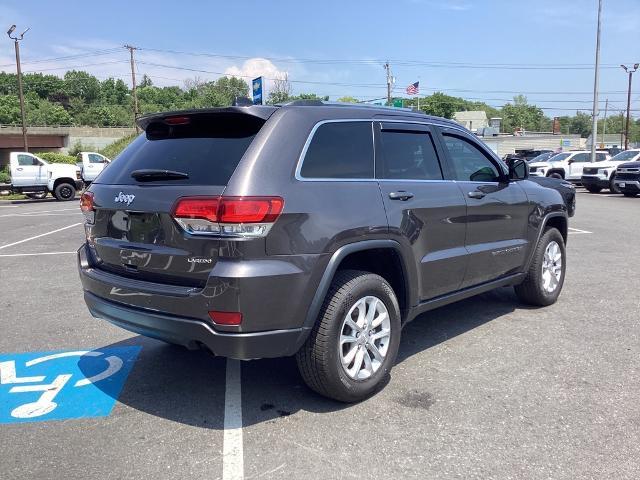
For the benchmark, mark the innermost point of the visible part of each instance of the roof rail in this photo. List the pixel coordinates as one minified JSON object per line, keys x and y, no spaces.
{"x":320,"y":103}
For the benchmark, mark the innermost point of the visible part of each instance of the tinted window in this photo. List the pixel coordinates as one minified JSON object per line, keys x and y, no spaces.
{"x":409,"y":155}
{"x":340,"y":150}
{"x":469,"y":163}
{"x":600,"y":157}
{"x":581,"y":157}
{"x":27,"y":160}
{"x":208,"y":149}
{"x":95,"y":158}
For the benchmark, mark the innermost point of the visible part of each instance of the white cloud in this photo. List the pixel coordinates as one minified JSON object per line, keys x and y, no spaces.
{"x":256,"y":67}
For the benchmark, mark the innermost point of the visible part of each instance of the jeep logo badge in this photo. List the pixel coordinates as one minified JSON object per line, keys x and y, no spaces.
{"x":124,"y":198}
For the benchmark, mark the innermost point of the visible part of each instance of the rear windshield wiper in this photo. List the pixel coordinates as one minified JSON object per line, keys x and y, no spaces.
{"x":150,"y":174}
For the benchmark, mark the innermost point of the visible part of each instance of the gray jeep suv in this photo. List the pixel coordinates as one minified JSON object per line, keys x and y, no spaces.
{"x":313,"y":230}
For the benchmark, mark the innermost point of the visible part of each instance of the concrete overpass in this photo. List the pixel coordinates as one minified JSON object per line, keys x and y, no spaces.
{"x":57,"y":139}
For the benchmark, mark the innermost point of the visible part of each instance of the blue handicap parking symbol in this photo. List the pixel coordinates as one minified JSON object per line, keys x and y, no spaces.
{"x":40,"y":386}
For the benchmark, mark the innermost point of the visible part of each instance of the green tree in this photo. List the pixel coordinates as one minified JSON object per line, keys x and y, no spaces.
{"x":82,"y":85}
{"x":521,"y":114}
{"x":348,"y":99}
{"x":44,"y":112}
{"x":9,"y":109}
{"x":581,"y":124}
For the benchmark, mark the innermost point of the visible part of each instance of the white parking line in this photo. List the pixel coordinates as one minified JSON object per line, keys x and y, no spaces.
{"x":232,"y":453}
{"x":577,"y":230}
{"x":38,"y":236}
{"x":39,"y":214}
{"x":34,"y":254}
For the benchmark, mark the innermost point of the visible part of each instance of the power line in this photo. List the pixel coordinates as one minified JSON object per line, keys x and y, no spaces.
{"x":68,"y":57}
{"x":418,"y":63}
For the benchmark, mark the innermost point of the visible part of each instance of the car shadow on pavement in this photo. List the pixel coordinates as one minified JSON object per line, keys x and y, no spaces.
{"x":189,"y":386}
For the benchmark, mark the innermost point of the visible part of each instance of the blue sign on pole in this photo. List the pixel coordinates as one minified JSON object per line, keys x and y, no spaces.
{"x":256,"y":88}
{"x":41,"y":386}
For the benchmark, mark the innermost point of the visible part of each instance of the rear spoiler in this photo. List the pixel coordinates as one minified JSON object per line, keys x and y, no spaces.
{"x":259,"y":111}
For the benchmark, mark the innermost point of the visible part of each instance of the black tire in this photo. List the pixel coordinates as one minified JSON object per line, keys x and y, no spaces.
{"x":592,"y":189}
{"x":65,"y":192}
{"x":613,"y":188}
{"x":531,"y":291}
{"x":37,"y":196}
{"x":319,"y":359}
{"x":629,"y":194}
{"x":555,"y":175}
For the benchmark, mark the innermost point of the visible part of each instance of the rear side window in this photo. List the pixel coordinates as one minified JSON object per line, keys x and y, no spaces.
{"x":409,"y":155}
{"x":208,"y":149}
{"x":340,"y":150}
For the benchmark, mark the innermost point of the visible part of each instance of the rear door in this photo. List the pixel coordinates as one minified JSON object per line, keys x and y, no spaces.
{"x":497,"y":209}
{"x":134,"y":233}
{"x":425,"y":212}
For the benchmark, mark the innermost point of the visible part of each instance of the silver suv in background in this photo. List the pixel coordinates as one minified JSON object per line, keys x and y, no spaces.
{"x":602,"y":175}
{"x":566,"y":165}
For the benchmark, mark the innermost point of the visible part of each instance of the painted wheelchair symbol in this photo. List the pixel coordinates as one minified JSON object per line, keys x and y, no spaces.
{"x":45,"y":404}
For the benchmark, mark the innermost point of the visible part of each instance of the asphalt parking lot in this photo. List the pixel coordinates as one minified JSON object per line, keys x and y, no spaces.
{"x":483,"y":389}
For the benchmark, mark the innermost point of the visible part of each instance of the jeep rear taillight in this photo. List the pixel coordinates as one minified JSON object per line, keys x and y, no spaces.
{"x":86,"y":206}
{"x":247,"y":217}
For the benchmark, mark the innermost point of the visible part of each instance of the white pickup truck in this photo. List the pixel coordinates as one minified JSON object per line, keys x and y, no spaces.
{"x":35,"y":177}
{"x":90,"y":165}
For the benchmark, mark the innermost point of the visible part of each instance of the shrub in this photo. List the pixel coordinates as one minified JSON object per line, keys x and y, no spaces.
{"x":55,"y":157}
{"x":112,"y":150}
{"x":4,"y":175}
{"x":80,"y":147}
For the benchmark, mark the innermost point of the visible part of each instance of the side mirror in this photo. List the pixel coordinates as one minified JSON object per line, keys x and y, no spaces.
{"x":518,"y":169}
{"x":570,"y":162}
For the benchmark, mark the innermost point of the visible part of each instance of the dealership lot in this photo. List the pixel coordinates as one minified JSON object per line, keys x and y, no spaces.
{"x":482,"y":389}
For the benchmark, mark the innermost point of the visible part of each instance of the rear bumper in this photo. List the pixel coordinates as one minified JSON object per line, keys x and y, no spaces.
{"x":195,"y":333}
{"x":273,"y":307}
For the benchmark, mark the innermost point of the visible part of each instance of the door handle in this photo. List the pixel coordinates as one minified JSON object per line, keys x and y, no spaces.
{"x":476,"y":194}
{"x":400,"y":195}
{"x":19,"y":169}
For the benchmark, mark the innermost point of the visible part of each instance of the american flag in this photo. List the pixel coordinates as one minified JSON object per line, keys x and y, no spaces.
{"x":414,"y":88}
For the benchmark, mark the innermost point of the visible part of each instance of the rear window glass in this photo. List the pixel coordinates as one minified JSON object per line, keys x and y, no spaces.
{"x":340,"y":150}
{"x":207,"y":149}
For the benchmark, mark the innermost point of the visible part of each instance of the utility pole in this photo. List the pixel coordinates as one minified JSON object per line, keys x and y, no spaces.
{"x":630,"y":71}
{"x":390,"y":80}
{"x":594,"y":129}
{"x":16,"y":39}
{"x":133,"y":90}
{"x":604,"y":125}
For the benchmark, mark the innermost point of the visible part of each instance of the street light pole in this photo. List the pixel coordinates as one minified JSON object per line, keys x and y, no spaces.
{"x":594,"y":128}
{"x":16,"y":39}
{"x":630,"y":71}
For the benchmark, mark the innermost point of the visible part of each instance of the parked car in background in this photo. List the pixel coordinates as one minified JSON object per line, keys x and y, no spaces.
{"x":602,"y":176}
{"x":35,"y":177}
{"x":90,"y":165}
{"x":566,"y":165}
{"x":628,"y":178}
{"x":543,"y":157}
{"x":529,"y":155}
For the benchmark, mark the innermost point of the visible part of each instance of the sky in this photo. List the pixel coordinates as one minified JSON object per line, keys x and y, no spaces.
{"x":480,"y":50}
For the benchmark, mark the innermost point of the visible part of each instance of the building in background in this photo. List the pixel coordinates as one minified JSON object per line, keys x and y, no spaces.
{"x":472,"y":119}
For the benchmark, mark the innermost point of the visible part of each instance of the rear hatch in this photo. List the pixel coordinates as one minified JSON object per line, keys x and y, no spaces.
{"x":179,"y":155}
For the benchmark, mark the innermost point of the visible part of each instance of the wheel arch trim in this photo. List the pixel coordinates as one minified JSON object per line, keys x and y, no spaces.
{"x":332,"y":267}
